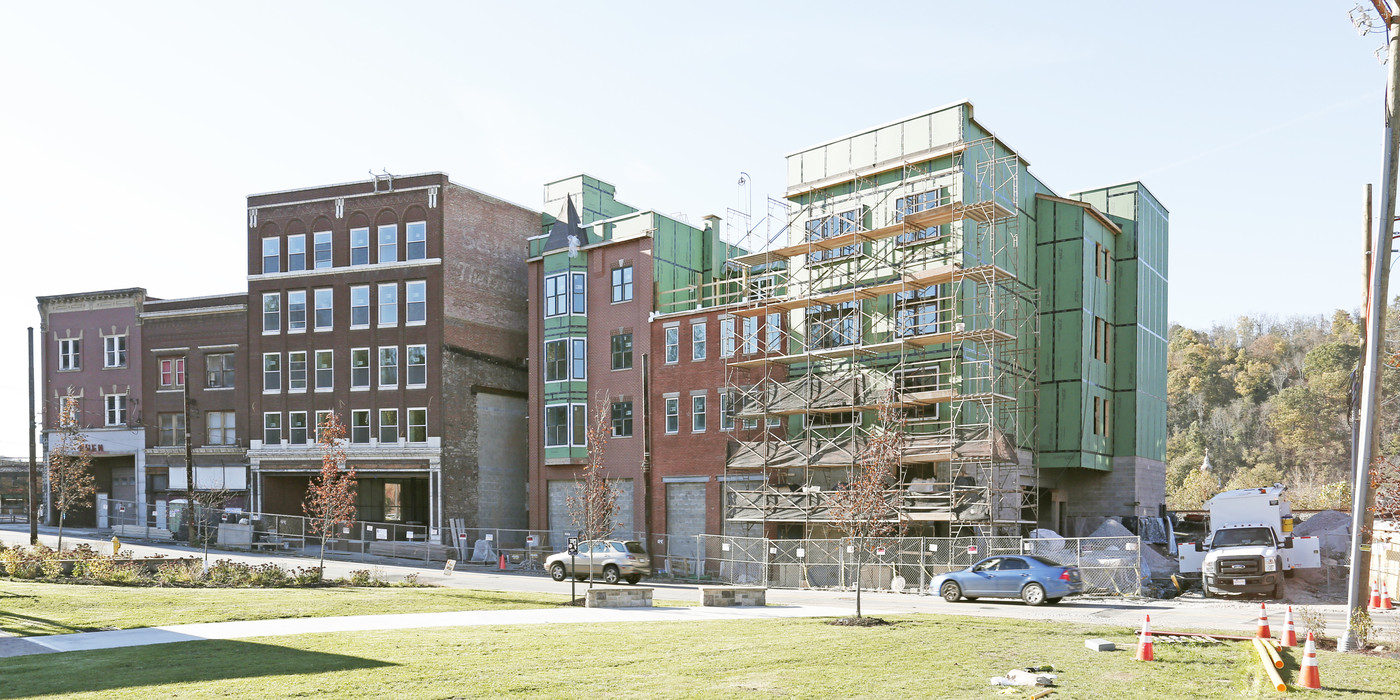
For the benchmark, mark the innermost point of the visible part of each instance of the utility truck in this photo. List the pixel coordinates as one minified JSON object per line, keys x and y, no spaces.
{"x":1250,"y":547}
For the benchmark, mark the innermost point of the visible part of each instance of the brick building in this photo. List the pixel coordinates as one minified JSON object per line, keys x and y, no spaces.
{"x":397,"y":303}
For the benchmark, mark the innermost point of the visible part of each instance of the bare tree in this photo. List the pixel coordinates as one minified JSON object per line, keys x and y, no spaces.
{"x":205,"y":503}
{"x":593,"y":503}
{"x":862,"y":508}
{"x":330,"y":498}
{"x":70,"y":480}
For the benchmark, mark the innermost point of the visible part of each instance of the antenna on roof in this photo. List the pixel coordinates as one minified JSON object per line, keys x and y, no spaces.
{"x":384,"y":176}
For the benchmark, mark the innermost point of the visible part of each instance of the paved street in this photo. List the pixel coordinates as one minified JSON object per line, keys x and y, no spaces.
{"x":1179,"y":613}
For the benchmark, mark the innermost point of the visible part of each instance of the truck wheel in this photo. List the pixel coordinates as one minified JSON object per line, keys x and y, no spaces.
{"x":1205,"y":591}
{"x":556,"y":571}
{"x":1278,"y":589}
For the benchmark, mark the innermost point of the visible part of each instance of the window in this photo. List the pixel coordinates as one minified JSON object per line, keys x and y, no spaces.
{"x":622,"y":351}
{"x":673,"y":415}
{"x":727,"y":340}
{"x":172,"y":429}
{"x":272,"y":428}
{"x":325,"y":370}
{"x":416,"y":310}
{"x":728,"y":407}
{"x":116,"y":409}
{"x":359,"y":246}
{"x":578,"y":360}
{"x":389,"y":243}
{"x":70,"y":411}
{"x":296,"y":311}
{"x":672,"y":339}
{"x":271,"y":255}
{"x":556,"y":360}
{"x":68,"y":354}
{"x":388,"y":366}
{"x":296,"y":427}
{"x":1103,"y":333}
{"x":114,"y":351}
{"x":389,"y":304}
{"x":321,"y":249}
{"x":697,"y":413}
{"x":1103,"y":262}
{"x":750,"y":335}
{"x":697,"y":341}
{"x":578,"y":297}
{"x":388,"y":426}
{"x":913,"y":204}
{"x":417,"y":232}
{"x":1101,"y":416}
{"x":393,"y":501}
{"x":622,"y":419}
{"x":359,"y":306}
{"x":359,"y":427}
{"x":272,"y":312}
{"x":296,"y":252}
{"x":418,"y":425}
{"x":556,"y":426}
{"x":832,"y":325}
{"x":218,"y":371}
{"x":359,"y":368}
{"x":324,"y":310}
{"x":773,"y":328}
{"x":172,"y":372}
{"x":272,"y":372}
{"x":917,"y":311}
{"x":556,"y":296}
{"x":830,"y":227}
{"x":296,"y":370}
{"x":220,"y":426}
{"x":323,"y":419}
{"x":580,"y":425}
{"x":622,"y":284}
{"x":417,"y":365}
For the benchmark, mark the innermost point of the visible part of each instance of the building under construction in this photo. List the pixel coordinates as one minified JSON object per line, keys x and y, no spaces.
{"x":1020,"y":334}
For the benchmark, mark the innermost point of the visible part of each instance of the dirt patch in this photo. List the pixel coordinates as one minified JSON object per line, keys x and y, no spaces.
{"x":575,"y":603}
{"x":860,"y":622}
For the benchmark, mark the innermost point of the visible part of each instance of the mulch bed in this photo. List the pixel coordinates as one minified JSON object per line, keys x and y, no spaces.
{"x":859,"y":622}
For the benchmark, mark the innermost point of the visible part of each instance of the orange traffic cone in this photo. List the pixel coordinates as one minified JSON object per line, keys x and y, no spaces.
{"x":501,"y":565}
{"x":1385,"y":597}
{"x":1307,"y":675}
{"x":1263,"y":631}
{"x":1144,"y":648}
{"x":1375,"y":595}
{"x":1290,"y":636}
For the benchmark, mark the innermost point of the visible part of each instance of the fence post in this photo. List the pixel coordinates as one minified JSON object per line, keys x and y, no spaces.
{"x":923,"y":547}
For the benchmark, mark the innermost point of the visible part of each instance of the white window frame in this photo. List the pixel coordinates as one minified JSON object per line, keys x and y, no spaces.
{"x":381,"y":366}
{"x":547,"y":363}
{"x":368,"y":427}
{"x":578,"y":359}
{"x":409,"y":304}
{"x":280,"y":435}
{"x":621,"y":280}
{"x":318,"y":238}
{"x":422,"y":412}
{"x":292,"y":239}
{"x":568,"y":413}
{"x":672,"y":424}
{"x":70,"y":358}
{"x":699,"y":412}
{"x":275,"y":314}
{"x":220,"y":427}
{"x":114,"y":351}
{"x":671,"y":340}
{"x":728,"y":341}
{"x":773,"y":329}
{"x":409,"y":365}
{"x":364,"y":247}
{"x":354,"y":307}
{"x":556,"y":295}
{"x":578,"y":294}
{"x":422,"y":228}
{"x":379,"y":244}
{"x":329,"y":308}
{"x":306,"y":432}
{"x":368,"y":369}
{"x":750,"y":330}
{"x":276,"y":256}
{"x":578,"y":425}
{"x":699,"y":341}
{"x":176,"y":372}
{"x":114,"y":406}
{"x":276,"y":373}
{"x":292,"y":356}
{"x":319,"y":424}
{"x":293,"y":326}
{"x":316,"y":370}
{"x":380,"y":304}
{"x":380,"y":432}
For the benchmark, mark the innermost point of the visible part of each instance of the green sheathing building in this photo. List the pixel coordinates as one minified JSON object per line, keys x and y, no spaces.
{"x":1102,"y":271}
{"x":682,"y":258}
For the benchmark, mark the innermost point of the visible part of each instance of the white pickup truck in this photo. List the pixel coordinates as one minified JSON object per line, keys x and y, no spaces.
{"x":1251,"y":547}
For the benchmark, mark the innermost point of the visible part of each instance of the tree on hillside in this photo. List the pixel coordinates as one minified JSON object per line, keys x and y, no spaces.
{"x":330,"y":498}
{"x":70,"y":481}
{"x":862,"y":508}
{"x":593,"y":503}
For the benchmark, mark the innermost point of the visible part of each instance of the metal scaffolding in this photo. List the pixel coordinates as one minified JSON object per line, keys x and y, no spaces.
{"x":904,"y":286}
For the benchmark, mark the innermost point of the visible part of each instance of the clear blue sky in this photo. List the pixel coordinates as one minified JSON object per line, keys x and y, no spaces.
{"x":130,"y":133}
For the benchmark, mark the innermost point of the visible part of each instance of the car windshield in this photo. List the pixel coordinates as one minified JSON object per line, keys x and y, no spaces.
{"x":635,"y":548}
{"x":1244,"y":536}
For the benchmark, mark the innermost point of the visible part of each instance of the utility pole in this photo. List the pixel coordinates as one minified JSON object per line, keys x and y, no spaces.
{"x":189,"y":459}
{"x":1360,"y":550}
{"x":33,"y":468}
{"x":646,"y":456}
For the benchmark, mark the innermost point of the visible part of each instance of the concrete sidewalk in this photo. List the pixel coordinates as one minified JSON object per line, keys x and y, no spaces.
{"x":84,"y":641}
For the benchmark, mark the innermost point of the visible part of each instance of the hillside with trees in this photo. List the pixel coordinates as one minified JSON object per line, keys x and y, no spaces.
{"x":1268,"y":400}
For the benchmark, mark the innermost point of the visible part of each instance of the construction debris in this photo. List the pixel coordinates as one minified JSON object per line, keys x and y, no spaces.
{"x":1019,"y":677}
{"x":1097,"y":644}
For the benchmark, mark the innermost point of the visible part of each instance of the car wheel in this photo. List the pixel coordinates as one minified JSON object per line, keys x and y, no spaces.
{"x":1033,"y":594}
{"x":610,"y":574}
{"x":634,"y":578}
{"x":951,"y":591}
{"x":1052,"y":601}
{"x":556,"y":571}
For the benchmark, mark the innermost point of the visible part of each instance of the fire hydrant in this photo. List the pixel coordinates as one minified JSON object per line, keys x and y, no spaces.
{"x":116,"y":545}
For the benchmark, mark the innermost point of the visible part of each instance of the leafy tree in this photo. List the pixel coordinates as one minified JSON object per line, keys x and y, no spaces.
{"x":330,"y":498}
{"x":70,"y":480}
{"x":862,"y":508}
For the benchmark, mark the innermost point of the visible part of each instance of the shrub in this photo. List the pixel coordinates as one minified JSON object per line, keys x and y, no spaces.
{"x":23,"y":564}
{"x":1362,"y":629}
{"x":127,"y":574}
{"x":1312,"y":621}
{"x":411,"y":580}
{"x":359,"y":577}
{"x":306,"y":576}
{"x":96,"y":569}
{"x":268,"y":576}
{"x":174,"y":573}
{"x":226,"y":572}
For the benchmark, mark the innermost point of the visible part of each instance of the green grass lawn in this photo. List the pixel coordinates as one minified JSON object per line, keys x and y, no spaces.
{"x":923,"y":656}
{"x":29,"y":608}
